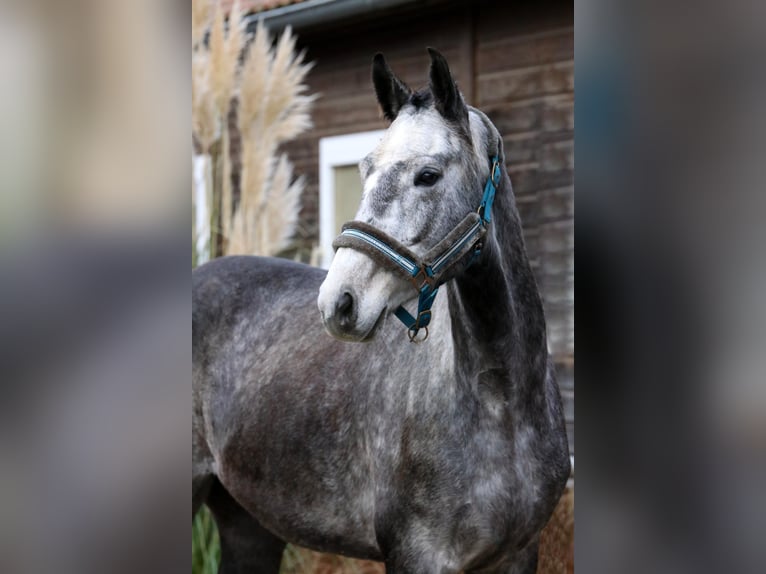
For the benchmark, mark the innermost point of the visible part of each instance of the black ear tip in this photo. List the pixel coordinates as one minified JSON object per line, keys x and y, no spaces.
{"x":435,"y":54}
{"x":378,"y":59}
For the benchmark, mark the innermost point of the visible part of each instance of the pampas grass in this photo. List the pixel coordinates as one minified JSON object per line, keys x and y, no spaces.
{"x":201,"y":11}
{"x":273,"y":107}
{"x":205,"y":123}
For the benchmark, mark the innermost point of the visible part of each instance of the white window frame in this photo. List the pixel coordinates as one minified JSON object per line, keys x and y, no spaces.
{"x":337,"y":151}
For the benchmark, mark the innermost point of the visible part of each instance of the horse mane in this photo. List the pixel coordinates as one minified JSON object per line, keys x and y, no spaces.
{"x":421,"y":99}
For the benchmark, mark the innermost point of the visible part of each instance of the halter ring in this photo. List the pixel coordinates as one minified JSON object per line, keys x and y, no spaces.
{"x":412,"y":333}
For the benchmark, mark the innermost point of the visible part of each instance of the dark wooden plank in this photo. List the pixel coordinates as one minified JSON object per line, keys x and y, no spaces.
{"x":558,"y":289}
{"x":344,"y":111}
{"x":521,"y":148}
{"x":565,"y":371}
{"x":567,"y":398}
{"x":556,"y":204}
{"x":571,"y":437}
{"x":547,"y":47}
{"x":529,"y":210}
{"x":499,"y":20}
{"x":558,"y":236}
{"x":558,"y":114}
{"x":526,"y":83}
{"x":556,"y":156}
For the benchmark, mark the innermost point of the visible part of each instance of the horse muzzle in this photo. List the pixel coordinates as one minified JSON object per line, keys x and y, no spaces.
{"x":354,"y":297}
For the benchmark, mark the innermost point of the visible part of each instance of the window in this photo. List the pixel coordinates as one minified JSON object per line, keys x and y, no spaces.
{"x":340,"y":187}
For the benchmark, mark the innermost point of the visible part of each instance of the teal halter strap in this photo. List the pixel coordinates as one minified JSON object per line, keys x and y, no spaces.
{"x":427,"y":274}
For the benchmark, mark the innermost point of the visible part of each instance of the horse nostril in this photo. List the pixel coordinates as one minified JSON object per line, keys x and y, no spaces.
{"x":345,"y":307}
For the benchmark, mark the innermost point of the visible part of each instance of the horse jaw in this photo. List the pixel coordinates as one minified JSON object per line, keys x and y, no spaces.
{"x":371,"y":289}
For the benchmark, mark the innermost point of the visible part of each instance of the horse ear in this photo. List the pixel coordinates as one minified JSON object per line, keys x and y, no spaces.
{"x":447,"y":98}
{"x":392,"y":93}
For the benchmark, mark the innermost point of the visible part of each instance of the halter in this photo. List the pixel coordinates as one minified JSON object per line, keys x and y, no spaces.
{"x":426,"y":274}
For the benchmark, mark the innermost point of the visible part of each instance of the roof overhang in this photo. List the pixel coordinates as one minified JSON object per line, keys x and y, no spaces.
{"x":314,"y":12}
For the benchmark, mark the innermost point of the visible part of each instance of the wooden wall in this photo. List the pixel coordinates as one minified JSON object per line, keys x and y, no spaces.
{"x":513,"y":60}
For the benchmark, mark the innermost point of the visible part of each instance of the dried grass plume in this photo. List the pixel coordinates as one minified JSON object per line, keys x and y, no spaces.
{"x":269,"y":83}
{"x":274,"y":108}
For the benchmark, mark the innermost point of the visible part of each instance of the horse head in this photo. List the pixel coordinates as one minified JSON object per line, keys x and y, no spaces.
{"x":419,"y":185}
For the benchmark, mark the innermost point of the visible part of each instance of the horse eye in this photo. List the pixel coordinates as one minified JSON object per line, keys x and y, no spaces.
{"x":427,"y":177}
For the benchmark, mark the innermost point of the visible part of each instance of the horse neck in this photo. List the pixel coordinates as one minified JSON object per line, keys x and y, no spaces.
{"x":495,"y":308}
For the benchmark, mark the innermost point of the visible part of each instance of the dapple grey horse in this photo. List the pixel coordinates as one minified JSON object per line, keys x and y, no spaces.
{"x":438,"y":457}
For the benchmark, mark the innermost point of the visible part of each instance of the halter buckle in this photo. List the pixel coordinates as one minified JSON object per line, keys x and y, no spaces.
{"x":420,"y":283}
{"x":495,"y":165}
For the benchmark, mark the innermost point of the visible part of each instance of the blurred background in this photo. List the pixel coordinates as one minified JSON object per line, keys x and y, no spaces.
{"x":94,"y":285}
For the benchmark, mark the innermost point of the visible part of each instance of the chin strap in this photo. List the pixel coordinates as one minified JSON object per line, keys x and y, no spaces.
{"x":428,"y":273}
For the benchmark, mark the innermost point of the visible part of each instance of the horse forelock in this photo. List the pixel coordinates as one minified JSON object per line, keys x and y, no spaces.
{"x":421,"y":99}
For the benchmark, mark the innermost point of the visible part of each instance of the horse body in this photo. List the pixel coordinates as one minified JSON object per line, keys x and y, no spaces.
{"x":445,"y":456}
